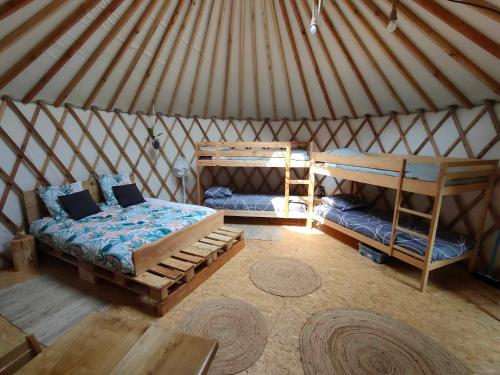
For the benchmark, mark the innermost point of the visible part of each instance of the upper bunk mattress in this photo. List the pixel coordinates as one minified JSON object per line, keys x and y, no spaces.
{"x":378,"y":225}
{"x":109,"y":238}
{"x":296,"y":155}
{"x":256,"y":202}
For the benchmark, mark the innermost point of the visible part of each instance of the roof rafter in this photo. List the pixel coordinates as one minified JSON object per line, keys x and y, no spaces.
{"x":449,"y":49}
{"x":461,"y":26}
{"x":255,"y":66}
{"x":418,"y":54}
{"x":77,"y":44}
{"x":215,"y":56}
{"x":12,"y":6}
{"x":370,"y":58}
{"x":159,"y":49}
{"x":228,"y":57}
{"x":109,"y":70}
{"x":46,"y":42}
{"x":296,"y":57}
{"x":352,"y":63}
{"x":201,"y":11}
{"x":171,"y":55}
{"x":317,"y":72}
{"x":241,"y":59}
{"x":268,"y":56}
{"x":30,"y":23}
{"x":390,"y":54}
{"x":139,"y":53}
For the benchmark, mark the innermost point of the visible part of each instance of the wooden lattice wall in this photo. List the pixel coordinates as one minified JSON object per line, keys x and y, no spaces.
{"x":41,"y":144}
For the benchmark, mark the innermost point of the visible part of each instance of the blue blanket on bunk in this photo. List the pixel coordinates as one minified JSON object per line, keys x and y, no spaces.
{"x":256,"y":202}
{"x":377,"y":225}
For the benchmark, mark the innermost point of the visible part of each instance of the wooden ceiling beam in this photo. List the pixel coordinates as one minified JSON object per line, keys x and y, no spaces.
{"x":77,"y":44}
{"x":370,"y":58}
{"x":493,"y":12}
{"x":312,"y":57}
{"x":187,"y":55}
{"x":35,"y":52}
{"x":352,"y":63}
{"x":103,"y":45}
{"x":215,"y":56}
{"x":139,"y":53}
{"x":241,"y":59}
{"x":30,"y":24}
{"x":288,"y":26}
{"x":283,"y":60}
{"x":172,"y":52}
{"x":254,"y":53}
{"x":200,"y":58}
{"x":12,"y":6}
{"x":418,"y":54}
{"x":228,"y":58}
{"x":391,"y":56}
{"x":159,"y":49}
{"x":461,"y":26}
{"x":332,"y":67}
{"x":268,"y":56}
{"x":449,"y":49}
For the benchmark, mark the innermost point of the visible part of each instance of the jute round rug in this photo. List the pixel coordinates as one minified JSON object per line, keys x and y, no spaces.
{"x":284,"y":276}
{"x":239,"y":328}
{"x":351,"y":341}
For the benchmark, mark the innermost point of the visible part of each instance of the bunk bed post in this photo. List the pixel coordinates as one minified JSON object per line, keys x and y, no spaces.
{"x":310,"y":196}
{"x":436,"y":209}
{"x":287,"y":177}
{"x":397,"y":205}
{"x":482,"y":219}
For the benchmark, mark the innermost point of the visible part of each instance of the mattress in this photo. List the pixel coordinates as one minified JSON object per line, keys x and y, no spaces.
{"x":415,"y":171}
{"x":109,"y":238}
{"x":378,"y":225}
{"x":296,"y":155}
{"x":256,"y":202}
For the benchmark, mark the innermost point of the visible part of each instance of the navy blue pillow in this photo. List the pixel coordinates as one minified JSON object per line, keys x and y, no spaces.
{"x":79,"y":205}
{"x":218,"y":192}
{"x":344,"y":202}
{"x":128,"y":195}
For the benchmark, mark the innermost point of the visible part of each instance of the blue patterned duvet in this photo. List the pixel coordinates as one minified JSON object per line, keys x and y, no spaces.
{"x":109,"y":238}
{"x":255,"y":202}
{"x":377,"y":225}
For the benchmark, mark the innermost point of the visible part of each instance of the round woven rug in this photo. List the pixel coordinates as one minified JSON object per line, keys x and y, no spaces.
{"x":239,"y":328}
{"x":350,"y":341}
{"x":284,"y":276}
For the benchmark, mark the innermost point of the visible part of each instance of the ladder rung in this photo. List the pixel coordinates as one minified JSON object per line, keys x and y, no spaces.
{"x":416,"y":213}
{"x":299,"y":182}
{"x":412,"y":232}
{"x":408,"y":252}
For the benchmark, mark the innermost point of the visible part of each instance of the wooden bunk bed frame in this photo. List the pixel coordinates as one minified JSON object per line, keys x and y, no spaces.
{"x":472,"y":168}
{"x":166,"y":270}
{"x":282,"y":151}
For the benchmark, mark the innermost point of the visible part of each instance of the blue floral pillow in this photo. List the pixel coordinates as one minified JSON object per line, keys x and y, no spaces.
{"x":50,"y":196}
{"x":107,"y":181}
{"x":344,"y":202}
{"x":218,"y":192}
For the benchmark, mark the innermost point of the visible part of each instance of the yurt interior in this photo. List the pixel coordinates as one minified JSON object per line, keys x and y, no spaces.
{"x":249,"y":187}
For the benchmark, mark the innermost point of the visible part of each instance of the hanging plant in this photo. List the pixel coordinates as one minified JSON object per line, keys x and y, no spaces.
{"x":155,"y":138}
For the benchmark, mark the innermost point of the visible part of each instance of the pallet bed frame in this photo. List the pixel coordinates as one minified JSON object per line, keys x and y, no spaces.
{"x":281,"y":152}
{"x":472,"y":168}
{"x":166,"y":270}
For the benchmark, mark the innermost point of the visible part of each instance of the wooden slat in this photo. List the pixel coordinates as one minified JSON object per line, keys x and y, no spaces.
{"x":177,"y":264}
{"x":197,"y":251}
{"x":46,"y":42}
{"x":166,"y":272}
{"x":188,"y":257}
{"x":219,"y":237}
{"x":11,"y":6}
{"x":153,"y":280}
{"x":412,"y":232}
{"x":206,"y":246}
{"x":413,"y":212}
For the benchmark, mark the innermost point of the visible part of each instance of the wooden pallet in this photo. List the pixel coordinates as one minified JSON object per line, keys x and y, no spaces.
{"x":174,"y":277}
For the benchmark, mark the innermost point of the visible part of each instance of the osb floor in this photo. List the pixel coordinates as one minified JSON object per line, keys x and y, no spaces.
{"x":458,"y":311}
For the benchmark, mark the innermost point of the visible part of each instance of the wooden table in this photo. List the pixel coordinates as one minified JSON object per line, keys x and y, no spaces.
{"x":102,"y":345}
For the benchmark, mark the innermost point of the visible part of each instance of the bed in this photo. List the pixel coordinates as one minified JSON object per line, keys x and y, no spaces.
{"x":109,"y":239}
{"x":377,"y":225}
{"x":267,"y":205}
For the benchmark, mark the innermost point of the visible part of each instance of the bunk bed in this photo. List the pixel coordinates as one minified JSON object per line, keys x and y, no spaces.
{"x":406,"y":233}
{"x":286,"y":155}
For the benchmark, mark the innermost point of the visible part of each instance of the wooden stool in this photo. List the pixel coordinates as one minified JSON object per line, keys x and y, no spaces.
{"x":23,"y":251}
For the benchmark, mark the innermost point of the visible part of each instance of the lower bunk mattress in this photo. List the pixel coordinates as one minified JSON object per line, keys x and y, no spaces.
{"x":109,"y":238}
{"x":378,"y":225}
{"x":256,"y":202}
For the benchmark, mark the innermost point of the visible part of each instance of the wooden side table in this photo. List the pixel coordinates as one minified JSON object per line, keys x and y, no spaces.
{"x":23,"y":252}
